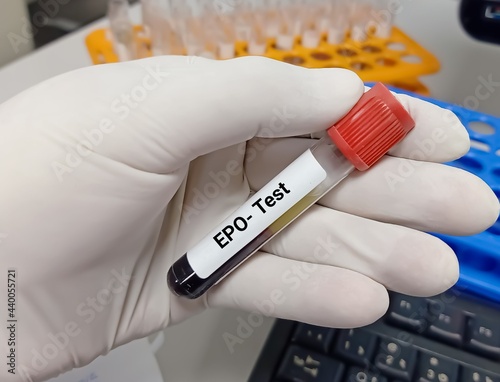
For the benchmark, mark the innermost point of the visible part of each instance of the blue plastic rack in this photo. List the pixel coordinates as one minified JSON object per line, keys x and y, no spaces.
{"x":479,"y":255}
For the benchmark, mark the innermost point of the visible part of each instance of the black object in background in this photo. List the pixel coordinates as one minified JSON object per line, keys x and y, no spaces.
{"x":481,"y":19}
{"x":51,"y":21}
{"x":452,"y":337}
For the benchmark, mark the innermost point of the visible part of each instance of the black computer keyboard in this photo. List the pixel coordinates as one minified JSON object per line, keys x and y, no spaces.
{"x":452,"y":337}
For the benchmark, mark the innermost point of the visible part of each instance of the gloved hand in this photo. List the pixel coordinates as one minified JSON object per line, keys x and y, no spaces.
{"x":111,"y":172}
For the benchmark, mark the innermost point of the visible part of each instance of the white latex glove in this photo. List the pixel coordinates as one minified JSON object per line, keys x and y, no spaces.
{"x":110,"y":173}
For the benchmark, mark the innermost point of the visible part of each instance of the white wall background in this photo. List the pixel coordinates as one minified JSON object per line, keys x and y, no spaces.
{"x":435,"y":24}
{"x":13,"y":17}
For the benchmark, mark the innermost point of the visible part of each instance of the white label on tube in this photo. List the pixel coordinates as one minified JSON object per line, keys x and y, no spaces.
{"x":257,"y":214}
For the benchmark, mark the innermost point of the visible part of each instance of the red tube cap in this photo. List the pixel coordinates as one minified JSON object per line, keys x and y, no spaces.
{"x":373,"y":126}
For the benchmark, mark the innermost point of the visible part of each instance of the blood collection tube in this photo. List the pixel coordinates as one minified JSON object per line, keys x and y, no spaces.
{"x":122,"y":32}
{"x":375,"y":124}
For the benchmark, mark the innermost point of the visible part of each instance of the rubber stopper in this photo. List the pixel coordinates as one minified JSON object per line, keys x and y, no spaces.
{"x":371,"y":128}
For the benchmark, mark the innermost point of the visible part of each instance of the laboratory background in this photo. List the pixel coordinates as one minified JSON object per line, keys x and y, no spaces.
{"x":444,"y":51}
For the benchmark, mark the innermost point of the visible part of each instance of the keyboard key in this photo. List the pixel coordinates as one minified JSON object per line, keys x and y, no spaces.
{"x":446,"y":323}
{"x":302,"y":365}
{"x":356,"y":345}
{"x":396,"y":360}
{"x":458,"y":332}
{"x":474,"y":375}
{"x":433,"y":368}
{"x":484,"y":337}
{"x":357,"y":374}
{"x":314,"y":337}
{"x":408,"y":312}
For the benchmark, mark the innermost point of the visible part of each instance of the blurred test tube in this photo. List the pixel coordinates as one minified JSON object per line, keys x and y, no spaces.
{"x":338,"y":22}
{"x":256,"y":19}
{"x":324,"y":11}
{"x":201,"y":30}
{"x":156,"y":25}
{"x":186,"y":27}
{"x":226,"y":33}
{"x":360,"y":12}
{"x":242,"y":23}
{"x":270,"y":18}
{"x":148,"y":10}
{"x":382,"y":18}
{"x":122,"y":32}
{"x":188,"y":30}
{"x":218,"y":40}
{"x":292,"y":24}
{"x":211,"y":28}
{"x":311,"y":13}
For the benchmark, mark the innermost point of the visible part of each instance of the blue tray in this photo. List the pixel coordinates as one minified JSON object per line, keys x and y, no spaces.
{"x":479,"y":255}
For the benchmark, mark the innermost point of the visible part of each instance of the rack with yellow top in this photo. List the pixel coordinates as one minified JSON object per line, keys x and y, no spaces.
{"x":397,"y":59}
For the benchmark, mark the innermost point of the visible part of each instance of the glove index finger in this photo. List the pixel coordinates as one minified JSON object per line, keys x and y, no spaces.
{"x":208,"y":105}
{"x":158,"y":114}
